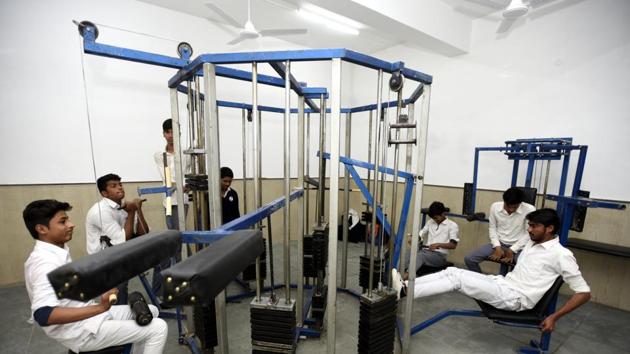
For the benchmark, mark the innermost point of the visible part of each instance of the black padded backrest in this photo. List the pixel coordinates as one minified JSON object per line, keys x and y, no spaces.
{"x":94,"y":274}
{"x":531,"y":317}
{"x":202,"y":276}
{"x":530,"y":194}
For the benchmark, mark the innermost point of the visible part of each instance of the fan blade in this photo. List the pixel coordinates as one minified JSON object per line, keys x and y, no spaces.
{"x":237,"y":40}
{"x":282,"y":32}
{"x":506,"y":24}
{"x":227,"y":18}
{"x":490,"y":4}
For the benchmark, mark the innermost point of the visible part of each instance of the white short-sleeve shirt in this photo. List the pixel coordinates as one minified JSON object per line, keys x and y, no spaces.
{"x":105,"y":219}
{"x":443,"y":232}
{"x":45,"y":258}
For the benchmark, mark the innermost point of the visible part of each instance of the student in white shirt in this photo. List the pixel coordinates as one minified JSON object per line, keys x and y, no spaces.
{"x":507,"y":231}
{"x":439,"y":234}
{"x":79,"y":326}
{"x":111,"y":221}
{"x":542,"y":260}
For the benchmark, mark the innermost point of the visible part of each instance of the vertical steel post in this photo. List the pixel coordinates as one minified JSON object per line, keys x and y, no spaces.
{"x":245,"y":146}
{"x":322,"y":162}
{"x":307,"y":168}
{"x":286,"y":212}
{"x":393,"y":227}
{"x":346,"y":205}
{"x":177,"y":157}
{"x":335,"y":112}
{"x":421,"y":153}
{"x":375,"y":186}
{"x":408,"y":159}
{"x":301,"y":217}
{"x":257,"y":162}
{"x":211,"y":121}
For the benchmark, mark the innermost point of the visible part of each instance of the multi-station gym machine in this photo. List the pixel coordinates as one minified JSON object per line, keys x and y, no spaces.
{"x":278,"y":317}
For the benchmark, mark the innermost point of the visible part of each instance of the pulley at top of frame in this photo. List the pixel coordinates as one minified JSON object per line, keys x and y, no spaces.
{"x":396,"y":82}
{"x":86,"y":27}
{"x":184,"y":50}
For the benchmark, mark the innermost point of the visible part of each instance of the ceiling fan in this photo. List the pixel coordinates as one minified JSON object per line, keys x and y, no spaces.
{"x":248,"y":31}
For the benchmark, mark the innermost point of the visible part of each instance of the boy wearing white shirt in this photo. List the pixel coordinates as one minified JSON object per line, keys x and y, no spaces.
{"x":79,"y":326}
{"x":542,"y":260}
{"x":439,"y":234}
{"x":507,"y":231}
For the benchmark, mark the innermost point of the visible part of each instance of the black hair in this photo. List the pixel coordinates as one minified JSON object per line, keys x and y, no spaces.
{"x":436,"y":208}
{"x":167,"y":125}
{"x":513,"y":196}
{"x":101,"y":182}
{"x":39,"y":212}
{"x":226,"y":172}
{"x":545,"y":217}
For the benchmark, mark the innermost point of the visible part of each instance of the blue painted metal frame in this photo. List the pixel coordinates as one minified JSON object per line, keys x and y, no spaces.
{"x":297,"y":55}
{"x":241,"y":223}
{"x":404,"y":211}
{"x":533,"y":150}
{"x":156,"y":190}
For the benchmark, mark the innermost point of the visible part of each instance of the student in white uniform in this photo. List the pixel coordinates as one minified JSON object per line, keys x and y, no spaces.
{"x":112,"y":221}
{"x":507,"y":231}
{"x":79,"y":326}
{"x":542,"y":260}
{"x":439,"y":235}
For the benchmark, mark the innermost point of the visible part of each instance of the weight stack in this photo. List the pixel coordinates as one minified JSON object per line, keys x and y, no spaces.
{"x":377,"y":323}
{"x":249,"y":274}
{"x":273,"y":326}
{"x":318,"y":306}
{"x":315,"y":251}
{"x":204,"y":318}
{"x":364,"y":271}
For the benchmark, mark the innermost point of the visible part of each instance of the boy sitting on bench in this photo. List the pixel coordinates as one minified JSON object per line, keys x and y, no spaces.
{"x":440,"y":235}
{"x":542,"y":260}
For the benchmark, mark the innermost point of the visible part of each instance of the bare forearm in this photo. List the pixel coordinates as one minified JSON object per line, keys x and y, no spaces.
{"x":574,"y":302}
{"x":63,"y":315}
{"x":143,"y":226}
{"x":131,"y":216}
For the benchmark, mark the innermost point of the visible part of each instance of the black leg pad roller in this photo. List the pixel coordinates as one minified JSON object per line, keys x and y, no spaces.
{"x":95,"y":274}
{"x":199,"y":278}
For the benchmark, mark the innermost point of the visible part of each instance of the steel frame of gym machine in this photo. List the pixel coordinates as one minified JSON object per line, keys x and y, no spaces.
{"x":206,"y":66}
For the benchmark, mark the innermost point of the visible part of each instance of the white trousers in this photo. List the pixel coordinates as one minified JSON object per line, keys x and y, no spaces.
{"x":123,"y":329}
{"x":487,"y":288}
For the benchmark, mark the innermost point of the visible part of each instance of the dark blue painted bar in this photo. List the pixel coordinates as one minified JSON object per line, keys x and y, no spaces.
{"x":171,"y":62}
{"x":297,"y":55}
{"x":587,"y":202}
{"x":415,"y":95}
{"x":368,"y":198}
{"x":369,"y":166}
{"x":295,"y":85}
{"x":241,"y":223}
{"x":155,"y":190}
{"x":442,"y":315}
{"x":372,"y":107}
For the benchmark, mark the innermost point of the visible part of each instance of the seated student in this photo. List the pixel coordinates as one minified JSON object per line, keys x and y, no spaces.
{"x":79,"y":326}
{"x":229,"y":197}
{"x":507,"y":231}
{"x":110,"y":221}
{"x":542,"y":260}
{"x":440,"y":234}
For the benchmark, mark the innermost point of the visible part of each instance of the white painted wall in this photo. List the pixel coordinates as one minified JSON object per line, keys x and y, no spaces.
{"x":45,"y":136}
{"x":564,"y":71}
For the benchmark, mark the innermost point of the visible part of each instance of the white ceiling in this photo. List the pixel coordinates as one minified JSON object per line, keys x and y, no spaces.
{"x":443,"y":26}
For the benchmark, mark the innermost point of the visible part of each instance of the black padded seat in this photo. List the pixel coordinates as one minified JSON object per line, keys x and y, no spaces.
{"x":119,"y":349}
{"x":532,"y":317}
{"x":425,"y":269}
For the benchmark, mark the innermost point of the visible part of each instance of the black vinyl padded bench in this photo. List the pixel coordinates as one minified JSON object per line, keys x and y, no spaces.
{"x":532,"y":317}
{"x":119,"y":349}
{"x":598,"y":247}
